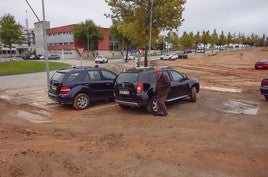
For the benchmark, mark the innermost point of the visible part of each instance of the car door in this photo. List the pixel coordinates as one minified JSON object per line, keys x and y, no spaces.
{"x":108,"y":79}
{"x":179,"y":85}
{"x":96,"y":84}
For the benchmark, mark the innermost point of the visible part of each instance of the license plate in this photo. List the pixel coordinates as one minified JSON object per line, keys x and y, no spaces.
{"x":54,"y":87}
{"x":124,"y":92}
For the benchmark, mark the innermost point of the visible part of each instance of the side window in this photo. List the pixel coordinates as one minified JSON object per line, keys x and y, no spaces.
{"x":108,"y":75}
{"x":176,"y":76}
{"x":94,"y":75}
{"x":166,"y":73}
{"x":71,"y":77}
{"x":152,"y":78}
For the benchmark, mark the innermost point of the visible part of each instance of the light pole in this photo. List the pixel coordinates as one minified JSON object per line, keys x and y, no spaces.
{"x":150,"y":33}
{"x":87,"y":43}
{"x":45,"y":43}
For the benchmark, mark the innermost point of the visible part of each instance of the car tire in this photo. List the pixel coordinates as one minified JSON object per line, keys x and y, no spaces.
{"x":152,"y":106}
{"x":81,"y":101}
{"x":266,"y":97}
{"x":193,"y":96}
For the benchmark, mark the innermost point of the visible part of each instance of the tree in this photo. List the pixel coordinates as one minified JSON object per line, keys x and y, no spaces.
{"x":205,"y":39}
{"x":187,"y":40}
{"x":229,"y":38}
{"x":135,"y":18}
{"x":116,"y":32}
{"x":173,"y":38}
{"x":241,"y":39}
{"x":88,"y":33}
{"x":222,"y":39}
{"x":214,"y":38}
{"x":10,"y":31}
{"x":197,"y":39}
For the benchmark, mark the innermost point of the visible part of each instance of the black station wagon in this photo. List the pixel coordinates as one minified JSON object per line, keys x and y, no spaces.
{"x":80,"y":86}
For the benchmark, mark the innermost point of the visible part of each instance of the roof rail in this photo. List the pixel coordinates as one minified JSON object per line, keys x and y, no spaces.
{"x":165,"y":67}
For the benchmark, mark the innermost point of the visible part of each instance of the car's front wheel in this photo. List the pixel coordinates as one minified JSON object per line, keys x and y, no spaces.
{"x":81,"y":101}
{"x":193,"y":94}
{"x":152,"y":106}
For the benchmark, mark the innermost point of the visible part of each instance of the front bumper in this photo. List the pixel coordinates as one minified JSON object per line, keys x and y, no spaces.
{"x":264,"y":90}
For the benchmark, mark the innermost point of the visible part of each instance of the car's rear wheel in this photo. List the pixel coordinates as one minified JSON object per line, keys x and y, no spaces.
{"x":152,"y":106}
{"x":81,"y":101}
{"x":193,"y":94}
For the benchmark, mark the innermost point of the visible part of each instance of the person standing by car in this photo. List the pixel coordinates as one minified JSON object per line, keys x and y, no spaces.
{"x":162,"y":90}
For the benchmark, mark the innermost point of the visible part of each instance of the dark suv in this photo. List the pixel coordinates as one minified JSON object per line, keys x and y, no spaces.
{"x":80,"y":86}
{"x":136,"y":88}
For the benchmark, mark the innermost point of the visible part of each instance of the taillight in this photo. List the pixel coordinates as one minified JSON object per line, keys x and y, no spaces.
{"x":139,"y":88}
{"x":264,"y":83}
{"x":64,"y":90}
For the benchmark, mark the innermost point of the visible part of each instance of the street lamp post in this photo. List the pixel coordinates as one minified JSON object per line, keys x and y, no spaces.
{"x":150,"y":33}
{"x":87,"y":44}
{"x":45,"y":43}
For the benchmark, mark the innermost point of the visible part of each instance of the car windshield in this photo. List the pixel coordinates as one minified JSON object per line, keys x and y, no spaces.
{"x":127,"y":77}
{"x":58,"y":77}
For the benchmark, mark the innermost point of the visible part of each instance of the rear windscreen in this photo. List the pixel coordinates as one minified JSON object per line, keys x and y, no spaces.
{"x":127,"y":77}
{"x":58,"y":77}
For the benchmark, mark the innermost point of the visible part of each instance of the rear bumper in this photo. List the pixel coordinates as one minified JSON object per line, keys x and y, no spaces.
{"x":63,"y":99}
{"x":128,"y":103}
{"x":133,"y":102}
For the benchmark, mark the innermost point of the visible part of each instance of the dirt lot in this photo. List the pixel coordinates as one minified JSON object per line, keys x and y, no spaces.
{"x":223,"y":134}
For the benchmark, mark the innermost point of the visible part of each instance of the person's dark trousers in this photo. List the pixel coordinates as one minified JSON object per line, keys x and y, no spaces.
{"x":161,"y":106}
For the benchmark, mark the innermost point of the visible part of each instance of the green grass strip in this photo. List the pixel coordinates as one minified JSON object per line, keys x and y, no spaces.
{"x":23,"y":67}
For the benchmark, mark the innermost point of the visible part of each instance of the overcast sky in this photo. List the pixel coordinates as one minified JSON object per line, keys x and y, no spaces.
{"x":235,"y":16}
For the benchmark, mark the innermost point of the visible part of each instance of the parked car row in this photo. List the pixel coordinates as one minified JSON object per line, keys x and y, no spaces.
{"x":174,"y":56}
{"x":41,"y":57}
{"x":133,"y":88}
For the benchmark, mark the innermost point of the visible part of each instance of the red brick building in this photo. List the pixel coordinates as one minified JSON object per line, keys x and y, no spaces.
{"x":60,"y":40}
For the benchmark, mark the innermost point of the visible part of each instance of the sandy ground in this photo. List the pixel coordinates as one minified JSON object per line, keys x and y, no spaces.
{"x":223,"y":134}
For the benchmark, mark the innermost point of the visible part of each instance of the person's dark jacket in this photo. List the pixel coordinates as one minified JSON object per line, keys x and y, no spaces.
{"x":162,"y":85}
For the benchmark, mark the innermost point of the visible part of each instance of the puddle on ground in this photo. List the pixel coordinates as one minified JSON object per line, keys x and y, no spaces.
{"x":35,"y":118}
{"x":236,"y":106}
{"x":222,"y":89}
